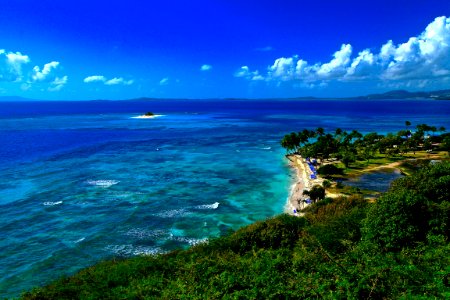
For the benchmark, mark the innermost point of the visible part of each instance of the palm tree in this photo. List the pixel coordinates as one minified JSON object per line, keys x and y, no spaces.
{"x":407,"y":124}
{"x":433,"y":129}
{"x":320,"y":131}
{"x":290,"y":142}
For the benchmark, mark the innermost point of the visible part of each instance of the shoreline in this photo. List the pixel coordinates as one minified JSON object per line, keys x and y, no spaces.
{"x":302,"y":182}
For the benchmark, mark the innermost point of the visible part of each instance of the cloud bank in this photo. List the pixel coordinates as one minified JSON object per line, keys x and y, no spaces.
{"x":420,"y":60}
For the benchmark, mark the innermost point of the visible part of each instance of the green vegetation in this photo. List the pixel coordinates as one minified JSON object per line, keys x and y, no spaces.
{"x":343,"y":248}
{"x":354,"y":146}
{"x":328,"y":170}
{"x":316,"y":193}
{"x":349,"y":154}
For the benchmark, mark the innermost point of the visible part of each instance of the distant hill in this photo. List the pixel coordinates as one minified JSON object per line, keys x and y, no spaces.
{"x":396,"y":94}
{"x":402,"y":94}
{"x":14,"y":99}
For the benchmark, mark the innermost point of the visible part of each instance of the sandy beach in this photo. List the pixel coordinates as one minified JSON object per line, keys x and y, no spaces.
{"x":303,"y":182}
{"x":147,"y":117}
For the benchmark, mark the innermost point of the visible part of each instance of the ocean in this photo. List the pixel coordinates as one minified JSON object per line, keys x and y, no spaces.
{"x":83,"y":182}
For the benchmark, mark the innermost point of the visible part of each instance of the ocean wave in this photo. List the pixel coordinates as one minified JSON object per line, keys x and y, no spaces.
{"x":188,"y":240}
{"x":79,"y":240}
{"x":266,"y":148}
{"x":173,"y":213}
{"x":215,"y":205}
{"x":142,"y":233}
{"x":102,"y":183}
{"x":130,"y":250}
{"x":52,"y":203}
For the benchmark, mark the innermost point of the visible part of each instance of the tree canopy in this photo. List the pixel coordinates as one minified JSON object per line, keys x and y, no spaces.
{"x":351,"y":146}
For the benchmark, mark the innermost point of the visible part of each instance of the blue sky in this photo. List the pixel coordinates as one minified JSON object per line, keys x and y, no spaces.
{"x":72,"y":50}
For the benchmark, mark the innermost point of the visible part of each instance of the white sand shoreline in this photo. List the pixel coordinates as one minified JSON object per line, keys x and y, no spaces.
{"x":303,"y":182}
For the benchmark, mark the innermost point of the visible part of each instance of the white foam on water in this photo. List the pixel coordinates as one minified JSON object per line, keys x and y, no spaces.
{"x":79,"y":240}
{"x":130,"y":250}
{"x":266,"y":148}
{"x":52,"y":203}
{"x":102,"y":183}
{"x":142,"y":233}
{"x":173,"y":213}
{"x":215,"y":205}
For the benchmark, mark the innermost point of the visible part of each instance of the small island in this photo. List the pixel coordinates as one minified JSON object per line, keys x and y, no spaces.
{"x":147,"y":115}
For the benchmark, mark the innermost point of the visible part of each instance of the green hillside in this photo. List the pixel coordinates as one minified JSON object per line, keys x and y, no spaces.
{"x":343,"y":248}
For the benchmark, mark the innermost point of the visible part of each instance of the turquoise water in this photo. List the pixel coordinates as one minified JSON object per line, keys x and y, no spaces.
{"x":83,"y":182}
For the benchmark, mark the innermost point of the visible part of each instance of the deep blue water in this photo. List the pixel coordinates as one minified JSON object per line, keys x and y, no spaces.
{"x":83,"y":181}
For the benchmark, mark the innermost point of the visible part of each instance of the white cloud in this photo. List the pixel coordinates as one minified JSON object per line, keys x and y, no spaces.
{"x":15,"y":67}
{"x":205,"y":67}
{"x":425,"y":56}
{"x":363,"y":66}
{"x":283,"y":68}
{"x":337,"y":66}
{"x":245,"y":72}
{"x":164,"y":81}
{"x":94,"y":78}
{"x":242,"y":72}
{"x":419,"y":61}
{"x":257,"y":78}
{"x":11,"y":65}
{"x":104,"y":80}
{"x":118,"y":80}
{"x":39,"y":75}
{"x":58,"y":83}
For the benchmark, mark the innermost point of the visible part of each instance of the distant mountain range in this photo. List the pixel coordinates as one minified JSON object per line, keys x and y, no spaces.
{"x":397,"y":94}
{"x":402,"y":94}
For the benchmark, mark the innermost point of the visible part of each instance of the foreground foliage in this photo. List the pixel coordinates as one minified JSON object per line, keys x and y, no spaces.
{"x":343,"y":248}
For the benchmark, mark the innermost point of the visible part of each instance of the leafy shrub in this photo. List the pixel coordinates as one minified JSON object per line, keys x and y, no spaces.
{"x":326,"y":184}
{"x":395,"y":220}
{"x":414,"y":207}
{"x":330,"y":169}
{"x":279,"y":232}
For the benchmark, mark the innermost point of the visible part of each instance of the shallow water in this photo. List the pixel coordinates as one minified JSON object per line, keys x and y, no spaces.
{"x":82,"y":182}
{"x":378,"y":181}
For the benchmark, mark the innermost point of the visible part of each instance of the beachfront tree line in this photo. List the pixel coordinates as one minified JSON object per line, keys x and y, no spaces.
{"x":351,"y":146}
